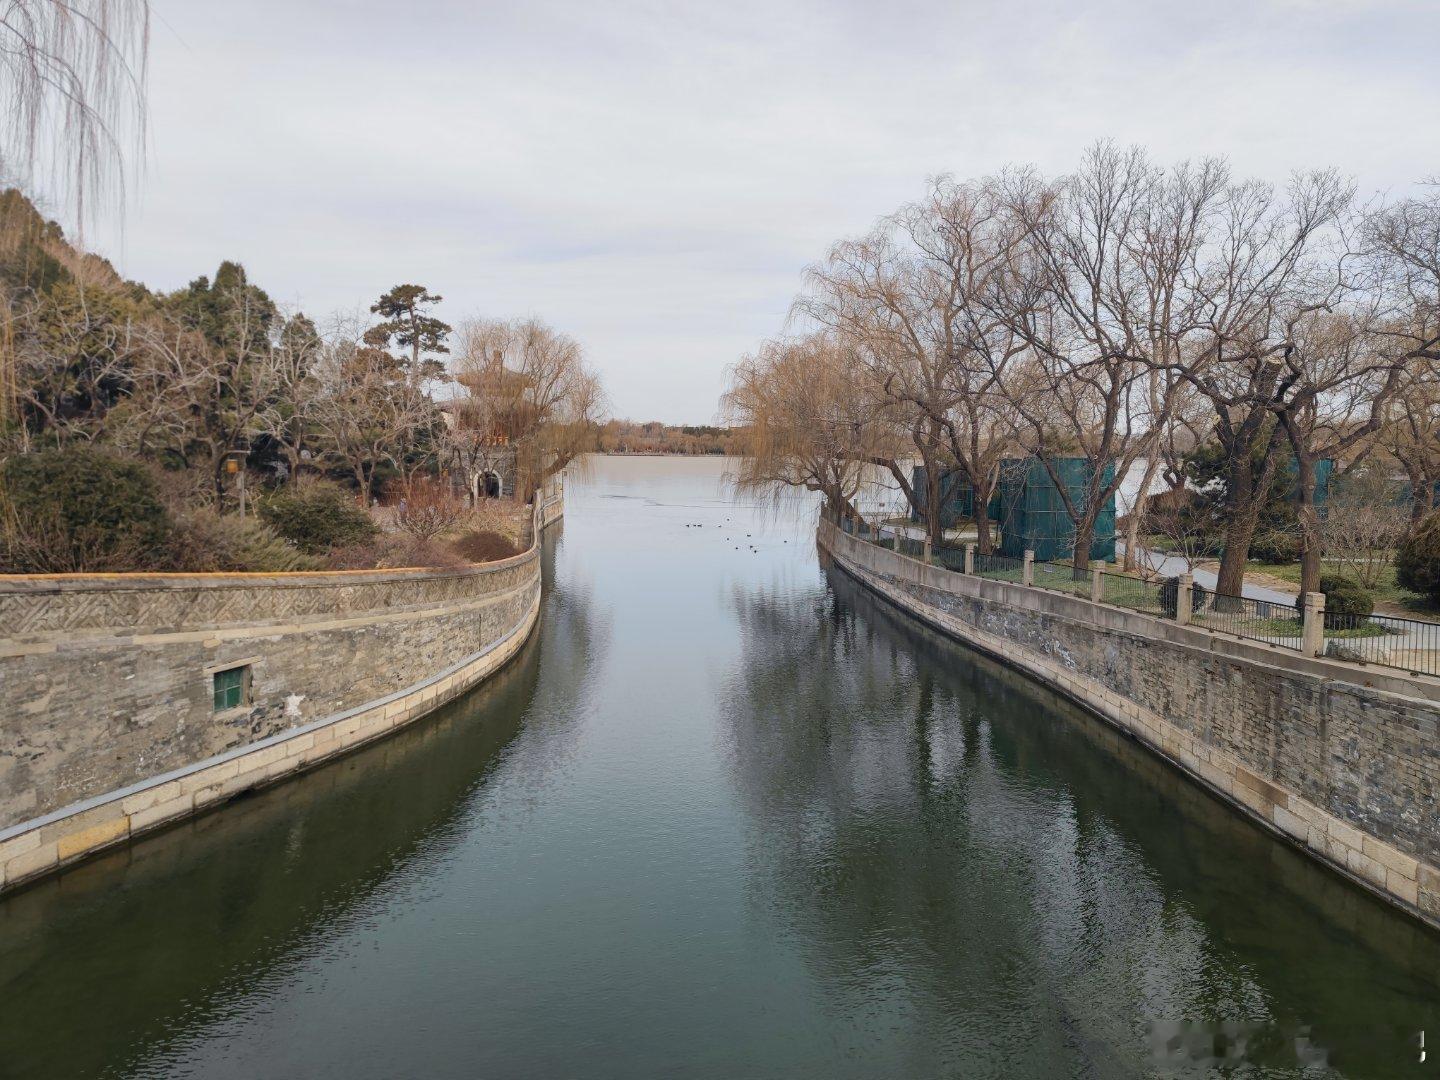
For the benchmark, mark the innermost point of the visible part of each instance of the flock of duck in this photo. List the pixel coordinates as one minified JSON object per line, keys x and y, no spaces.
{"x":753,"y":549}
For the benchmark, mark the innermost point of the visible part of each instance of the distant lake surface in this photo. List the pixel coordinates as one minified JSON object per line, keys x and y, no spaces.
{"x":725,"y":816}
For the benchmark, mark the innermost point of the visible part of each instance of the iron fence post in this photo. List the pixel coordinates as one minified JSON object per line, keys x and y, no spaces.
{"x":1312,"y":635}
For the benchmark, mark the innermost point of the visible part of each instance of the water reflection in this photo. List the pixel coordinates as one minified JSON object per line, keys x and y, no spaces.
{"x":989,"y":881}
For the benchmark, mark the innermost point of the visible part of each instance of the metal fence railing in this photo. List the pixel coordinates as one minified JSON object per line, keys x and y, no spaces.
{"x":1134,"y":593}
{"x":1246,"y":617}
{"x":1392,"y":641}
{"x":1411,"y":645}
{"x":951,"y":558}
{"x":999,"y":567}
{"x":912,"y":547}
{"x":1060,"y":577}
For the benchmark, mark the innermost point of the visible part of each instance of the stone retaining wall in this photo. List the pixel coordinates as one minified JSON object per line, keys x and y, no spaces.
{"x":109,"y":726}
{"x":1340,"y":760}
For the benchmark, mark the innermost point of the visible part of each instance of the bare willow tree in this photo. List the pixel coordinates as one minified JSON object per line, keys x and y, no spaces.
{"x":805,"y":422}
{"x":529,"y":384}
{"x":73,"y":74}
{"x":72,"y":99}
{"x":860,"y":294}
{"x":906,"y":301}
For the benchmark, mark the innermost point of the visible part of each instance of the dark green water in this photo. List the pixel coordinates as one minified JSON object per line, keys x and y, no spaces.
{"x":726,"y":816}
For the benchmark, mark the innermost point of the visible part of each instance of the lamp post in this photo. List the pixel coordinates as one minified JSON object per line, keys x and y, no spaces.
{"x":235,"y":466}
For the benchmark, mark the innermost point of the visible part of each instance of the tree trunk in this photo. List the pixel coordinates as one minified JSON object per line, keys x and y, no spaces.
{"x":934,"y":527}
{"x":1422,"y":494}
{"x":1084,"y":537}
{"x":1137,"y":511}
{"x":1242,"y":501}
{"x":984,"y":541}
{"x":1230,"y":581}
{"x":1309,"y":519}
{"x":362,"y":478}
{"x":984,"y":535}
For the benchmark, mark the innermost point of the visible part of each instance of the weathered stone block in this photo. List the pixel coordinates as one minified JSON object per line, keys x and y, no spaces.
{"x":84,"y":841}
{"x":160,"y":813}
{"x":43,"y":857}
{"x":1395,"y":861}
{"x":1352,"y":838}
{"x":1403,"y":887}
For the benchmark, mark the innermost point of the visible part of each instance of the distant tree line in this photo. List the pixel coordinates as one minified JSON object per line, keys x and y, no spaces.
{"x":655,"y":437}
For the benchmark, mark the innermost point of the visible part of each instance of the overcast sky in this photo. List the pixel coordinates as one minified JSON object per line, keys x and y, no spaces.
{"x":653,"y":177}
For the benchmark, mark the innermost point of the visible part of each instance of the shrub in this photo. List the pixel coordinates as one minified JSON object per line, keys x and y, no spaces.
{"x":1346,"y":601}
{"x":1170,"y":597}
{"x":77,"y":509}
{"x":316,"y":517}
{"x":484,"y":546}
{"x":392,"y":551}
{"x":428,"y":509}
{"x":204,"y":541}
{"x":1417,"y":564}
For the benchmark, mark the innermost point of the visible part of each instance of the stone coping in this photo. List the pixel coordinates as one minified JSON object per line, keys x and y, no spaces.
{"x":65,"y":583}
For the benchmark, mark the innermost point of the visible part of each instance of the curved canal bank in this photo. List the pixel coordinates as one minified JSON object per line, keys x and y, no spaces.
{"x":728,"y":815}
{"x":134,"y":701}
{"x":1340,"y":760}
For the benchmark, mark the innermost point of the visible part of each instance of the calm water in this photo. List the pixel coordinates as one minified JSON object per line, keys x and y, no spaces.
{"x":726,"y":816}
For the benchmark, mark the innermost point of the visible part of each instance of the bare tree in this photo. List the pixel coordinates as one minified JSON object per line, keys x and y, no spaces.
{"x":868,"y":296}
{"x":1404,"y":242}
{"x":528,"y":384}
{"x":366,"y":409}
{"x":805,"y":426}
{"x":1365,"y":519}
{"x":76,"y":350}
{"x":195,"y":401}
{"x":906,"y":300}
{"x":288,"y":420}
{"x":1412,"y":435}
{"x":73,"y":75}
{"x":1099,"y":295}
{"x":1271,"y":261}
{"x":1336,"y":389}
